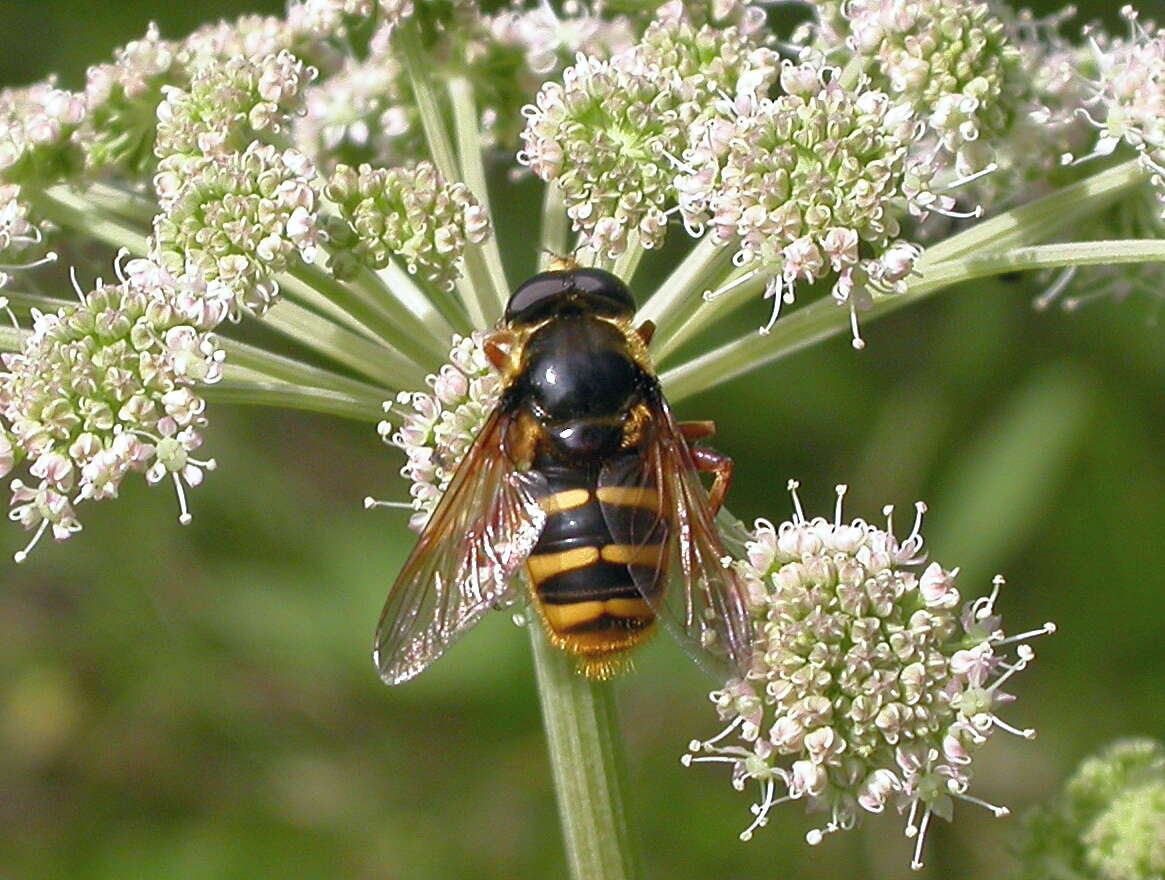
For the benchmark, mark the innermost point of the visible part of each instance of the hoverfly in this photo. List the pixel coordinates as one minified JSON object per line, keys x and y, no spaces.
{"x":582,"y":474}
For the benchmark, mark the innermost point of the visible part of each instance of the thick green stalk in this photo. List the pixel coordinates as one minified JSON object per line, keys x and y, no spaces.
{"x":11,"y":339}
{"x":436,"y":308}
{"x":66,"y":207}
{"x":627,"y":262}
{"x":1044,"y":256}
{"x":554,"y":226}
{"x":391,"y":326}
{"x":586,"y":761}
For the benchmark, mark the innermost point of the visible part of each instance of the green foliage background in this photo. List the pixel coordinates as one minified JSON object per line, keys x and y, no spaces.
{"x":199,"y":703}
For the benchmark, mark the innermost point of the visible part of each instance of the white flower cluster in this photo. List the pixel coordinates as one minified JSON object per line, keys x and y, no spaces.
{"x":17,"y":234}
{"x":798,"y":184}
{"x":871,"y":684}
{"x":227,"y":107}
{"x":105,"y":389}
{"x":238,"y":219}
{"x":545,"y":36}
{"x":410,"y":213}
{"x":121,"y":98}
{"x":36,"y":124}
{"x":359,"y":113}
{"x":951,"y":60}
{"x":438,"y":428}
{"x":1129,"y":95}
{"x":327,"y":16}
{"x":611,"y":133}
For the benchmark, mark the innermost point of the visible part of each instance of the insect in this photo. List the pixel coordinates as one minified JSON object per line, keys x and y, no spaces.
{"x":581,"y":474}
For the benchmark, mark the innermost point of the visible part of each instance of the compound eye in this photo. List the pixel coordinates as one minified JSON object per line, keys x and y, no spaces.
{"x":605,"y":292}
{"x":537,"y":298}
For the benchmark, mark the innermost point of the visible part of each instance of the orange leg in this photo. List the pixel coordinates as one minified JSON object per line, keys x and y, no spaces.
{"x":497,"y":348}
{"x":720,"y":466}
{"x":646,"y":330}
{"x":697,"y":430}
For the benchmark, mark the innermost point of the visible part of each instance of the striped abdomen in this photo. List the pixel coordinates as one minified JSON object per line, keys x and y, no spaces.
{"x":589,"y":585}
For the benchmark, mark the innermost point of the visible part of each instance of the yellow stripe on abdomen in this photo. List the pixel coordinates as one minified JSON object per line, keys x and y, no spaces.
{"x":543,"y":566}
{"x":568,"y":499}
{"x":563,"y":618}
{"x":625,"y":496}
{"x":629,"y":554}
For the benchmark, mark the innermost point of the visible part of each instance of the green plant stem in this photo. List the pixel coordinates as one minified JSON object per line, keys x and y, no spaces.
{"x":238,"y":388}
{"x":483,"y":260}
{"x":372,"y":360}
{"x":627,"y":262}
{"x":11,"y":339}
{"x":441,"y":151}
{"x":681,"y":294}
{"x":1044,"y":256}
{"x":554,"y":226}
{"x":436,"y":308}
{"x":391,"y":327}
{"x":826,"y":318}
{"x":271,"y":367}
{"x":68,"y":208}
{"x":1001,"y":244}
{"x":585,"y":759}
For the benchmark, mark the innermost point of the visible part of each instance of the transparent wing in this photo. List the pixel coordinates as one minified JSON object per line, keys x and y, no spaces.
{"x":484,"y":528}
{"x":704,"y":604}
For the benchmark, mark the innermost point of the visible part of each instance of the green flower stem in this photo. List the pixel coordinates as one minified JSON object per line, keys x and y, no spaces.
{"x":397,"y":307}
{"x":12,"y":339}
{"x":236,"y":388}
{"x":1036,"y":221}
{"x":466,"y":128}
{"x":825,"y":318}
{"x":135,"y":207}
{"x":374,"y":361}
{"x":1020,"y":227}
{"x":681,"y":293}
{"x":268,"y":366}
{"x":737,"y":289}
{"x":627,"y":262}
{"x":436,"y":308}
{"x":391,"y":326}
{"x":441,"y":150}
{"x":555,"y":226}
{"x":47,"y":304}
{"x":68,"y":208}
{"x":586,"y":762}
{"x":303,"y":292}
{"x":1044,"y":256}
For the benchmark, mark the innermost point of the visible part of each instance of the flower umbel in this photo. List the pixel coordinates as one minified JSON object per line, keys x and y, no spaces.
{"x":871,"y":684}
{"x":411,"y":213}
{"x":103,"y":389}
{"x":438,"y":428}
{"x":1109,"y":822}
{"x":239,"y":220}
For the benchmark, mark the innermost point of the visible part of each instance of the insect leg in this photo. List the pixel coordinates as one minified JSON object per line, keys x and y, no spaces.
{"x":646,"y":330}
{"x":720,"y":466}
{"x":697,"y":430}
{"x":497,"y":347}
